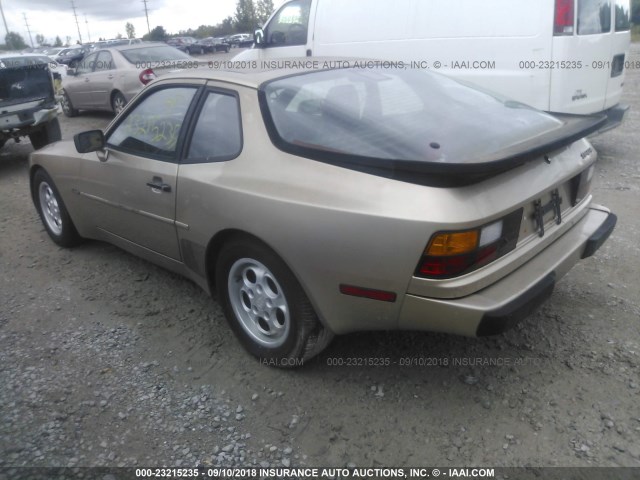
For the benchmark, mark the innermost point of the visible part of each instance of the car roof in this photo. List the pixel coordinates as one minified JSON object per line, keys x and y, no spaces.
{"x":134,"y":46}
{"x":265,"y":71}
{"x":17,"y":54}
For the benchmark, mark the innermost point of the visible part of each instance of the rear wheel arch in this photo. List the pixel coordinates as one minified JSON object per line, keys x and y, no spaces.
{"x":218,"y":241}
{"x":304,"y":334}
{"x":225,"y":237}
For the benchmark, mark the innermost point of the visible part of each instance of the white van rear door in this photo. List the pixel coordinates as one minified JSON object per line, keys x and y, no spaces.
{"x":620,"y":42}
{"x":583,"y":68}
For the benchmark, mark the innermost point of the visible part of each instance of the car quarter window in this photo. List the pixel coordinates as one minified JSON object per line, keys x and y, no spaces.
{"x":217,"y":135}
{"x":152,"y":128}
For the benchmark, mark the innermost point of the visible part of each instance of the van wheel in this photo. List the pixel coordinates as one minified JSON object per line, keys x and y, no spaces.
{"x":49,"y":133}
{"x":265,"y":305}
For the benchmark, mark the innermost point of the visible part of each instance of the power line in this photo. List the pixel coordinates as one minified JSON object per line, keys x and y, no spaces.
{"x":73,"y":7}
{"x":4,"y":19}
{"x":146,"y":12}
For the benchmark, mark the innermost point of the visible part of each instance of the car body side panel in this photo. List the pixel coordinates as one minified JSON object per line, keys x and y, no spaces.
{"x":263,"y":192}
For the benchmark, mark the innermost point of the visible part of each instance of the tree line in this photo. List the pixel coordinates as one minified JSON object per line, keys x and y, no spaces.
{"x":249,"y":14}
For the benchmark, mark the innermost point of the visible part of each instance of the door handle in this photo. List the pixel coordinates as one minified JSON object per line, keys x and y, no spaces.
{"x":86,"y":79}
{"x":110,"y":76}
{"x":157,"y":184}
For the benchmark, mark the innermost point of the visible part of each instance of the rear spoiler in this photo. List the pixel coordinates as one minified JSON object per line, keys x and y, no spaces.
{"x":460,"y":173}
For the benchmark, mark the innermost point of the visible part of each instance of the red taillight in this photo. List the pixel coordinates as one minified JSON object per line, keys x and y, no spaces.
{"x":146,"y":76}
{"x":446,"y":266}
{"x":454,"y":253}
{"x":563,"y":20}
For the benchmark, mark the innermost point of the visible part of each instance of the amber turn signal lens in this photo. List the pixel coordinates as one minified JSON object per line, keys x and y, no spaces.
{"x":453,"y":243}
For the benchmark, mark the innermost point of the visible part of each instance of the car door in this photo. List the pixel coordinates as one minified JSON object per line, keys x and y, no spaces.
{"x":101,"y":80}
{"x":78,"y":85}
{"x":131,"y":186}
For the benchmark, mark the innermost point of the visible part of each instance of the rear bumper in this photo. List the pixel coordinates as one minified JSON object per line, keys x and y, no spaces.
{"x":503,"y":304}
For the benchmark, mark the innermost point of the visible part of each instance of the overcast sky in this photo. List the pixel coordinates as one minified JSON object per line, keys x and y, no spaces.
{"x":107,"y":18}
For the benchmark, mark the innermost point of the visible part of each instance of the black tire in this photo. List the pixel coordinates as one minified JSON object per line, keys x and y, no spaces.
{"x":53,"y":213}
{"x":50,"y":132}
{"x":67,"y":106}
{"x":118,"y":102}
{"x":302,"y":336}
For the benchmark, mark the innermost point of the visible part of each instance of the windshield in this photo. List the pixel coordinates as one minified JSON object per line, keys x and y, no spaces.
{"x":158,"y":53}
{"x":398,"y":114}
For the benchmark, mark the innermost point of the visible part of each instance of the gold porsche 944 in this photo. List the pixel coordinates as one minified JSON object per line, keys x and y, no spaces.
{"x":321,"y":202}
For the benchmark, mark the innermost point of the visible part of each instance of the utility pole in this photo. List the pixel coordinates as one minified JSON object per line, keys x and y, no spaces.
{"x":73,"y":7}
{"x":87,"y":22}
{"x":146,"y":12}
{"x":4,"y":19}
{"x":26,"y":23}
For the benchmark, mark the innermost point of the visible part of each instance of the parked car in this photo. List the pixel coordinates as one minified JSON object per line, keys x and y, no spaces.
{"x":27,"y":100}
{"x":52,"y":51}
{"x":71,"y":56}
{"x":241,"y":40}
{"x":185,"y":44}
{"x":212,"y":44}
{"x":321,"y":202}
{"x":556,"y":55}
{"x":107,"y":79}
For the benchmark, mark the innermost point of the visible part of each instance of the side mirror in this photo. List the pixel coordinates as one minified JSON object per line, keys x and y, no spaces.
{"x":90,"y":141}
{"x":71,"y":72}
{"x":258,"y":38}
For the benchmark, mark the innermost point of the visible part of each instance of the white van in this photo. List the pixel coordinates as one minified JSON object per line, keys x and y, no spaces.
{"x":556,"y":55}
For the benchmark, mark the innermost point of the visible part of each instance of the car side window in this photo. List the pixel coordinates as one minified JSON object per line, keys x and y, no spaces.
{"x":152,"y":128}
{"x":217,"y":135}
{"x":87,"y":64}
{"x":290,"y":25}
{"x":104,"y":62}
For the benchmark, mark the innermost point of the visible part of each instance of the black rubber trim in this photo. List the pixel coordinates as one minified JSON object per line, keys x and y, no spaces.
{"x":600,"y":236}
{"x":506,"y":317}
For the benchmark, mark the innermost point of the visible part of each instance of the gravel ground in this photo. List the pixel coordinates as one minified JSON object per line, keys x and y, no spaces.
{"x":107,"y":360}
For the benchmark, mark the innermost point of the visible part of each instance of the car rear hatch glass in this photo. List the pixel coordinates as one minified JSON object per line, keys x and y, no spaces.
{"x":23,"y":80}
{"x":410,"y":125}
